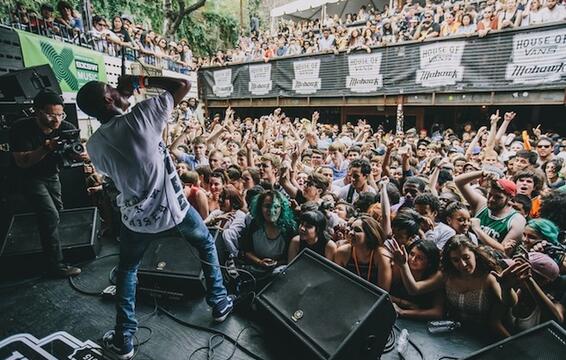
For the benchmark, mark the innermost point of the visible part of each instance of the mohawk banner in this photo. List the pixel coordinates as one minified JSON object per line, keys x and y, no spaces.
{"x":538,"y":57}
{"x":440,"y":64}
{"x":509,"y":61}
{"x":73,"y":65}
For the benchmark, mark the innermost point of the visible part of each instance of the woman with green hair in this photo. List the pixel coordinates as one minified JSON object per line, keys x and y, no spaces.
{"x":265,"y":241}
{"x":542,"y":235}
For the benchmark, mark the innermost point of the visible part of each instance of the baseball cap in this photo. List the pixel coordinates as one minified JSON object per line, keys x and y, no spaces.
{"x":507,"y":186}
{"x":544,"y":266}
{"x":47,"y":97}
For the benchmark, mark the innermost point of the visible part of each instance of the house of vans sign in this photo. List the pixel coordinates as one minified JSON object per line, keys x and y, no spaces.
{"x":501,"y":61}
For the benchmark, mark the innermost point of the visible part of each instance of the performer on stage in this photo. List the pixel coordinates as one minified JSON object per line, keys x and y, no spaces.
{"x":128,"y":148}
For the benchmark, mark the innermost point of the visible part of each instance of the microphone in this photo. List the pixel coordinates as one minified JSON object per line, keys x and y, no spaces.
{"x":123,"y":61}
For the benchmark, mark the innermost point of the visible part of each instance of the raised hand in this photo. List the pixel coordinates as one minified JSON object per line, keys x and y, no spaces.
{"x":315,"y":117}
{"x":495,"y":117}
{"x":295,"y":154}
{"x":482,"y":130}
{"x":509,"y":116}
{"x":513,"y":275}
{"x":398,"y":251}
{"x":383,"y":182}
{"x":537,"y":131}
{"x":428,"y":224}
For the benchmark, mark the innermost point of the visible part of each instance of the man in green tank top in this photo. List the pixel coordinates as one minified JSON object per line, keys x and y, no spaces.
{"x":497,"y":224}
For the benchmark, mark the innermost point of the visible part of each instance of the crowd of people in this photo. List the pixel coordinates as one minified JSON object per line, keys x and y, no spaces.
{"x":110,"y":36}
{"x":371,"y":27}
{"x":368,"y":28}
{"x":465,"y":224}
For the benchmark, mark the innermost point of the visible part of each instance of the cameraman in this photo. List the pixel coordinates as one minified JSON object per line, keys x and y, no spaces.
{"x":34,"y":143}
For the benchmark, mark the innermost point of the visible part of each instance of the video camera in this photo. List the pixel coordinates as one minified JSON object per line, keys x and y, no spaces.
{"x":69,"y":147}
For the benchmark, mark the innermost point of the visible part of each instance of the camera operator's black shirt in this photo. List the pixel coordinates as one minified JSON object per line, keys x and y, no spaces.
{"x":26,"y":135}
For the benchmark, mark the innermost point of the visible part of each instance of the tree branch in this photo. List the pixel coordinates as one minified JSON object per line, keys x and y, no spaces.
{"x":176,"y":20}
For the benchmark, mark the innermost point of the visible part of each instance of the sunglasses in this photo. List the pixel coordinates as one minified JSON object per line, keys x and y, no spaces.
{"x":543,"y":146}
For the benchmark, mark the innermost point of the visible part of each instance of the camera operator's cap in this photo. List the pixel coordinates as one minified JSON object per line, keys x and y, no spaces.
{"x":507,"y":186}
{"x":47,"y":97}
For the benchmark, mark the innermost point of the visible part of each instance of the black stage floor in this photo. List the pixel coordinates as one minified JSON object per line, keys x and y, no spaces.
{"x":45,"y":306}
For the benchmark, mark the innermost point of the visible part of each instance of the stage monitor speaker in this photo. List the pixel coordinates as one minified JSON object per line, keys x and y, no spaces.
{"x":78,"y":231}
{"x":323,"y":311}
{"x":546,"y":341}
{"x":168,"y":270}
{"x":24,"y":85}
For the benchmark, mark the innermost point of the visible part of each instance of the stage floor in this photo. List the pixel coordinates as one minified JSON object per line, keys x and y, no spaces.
{"x":45,"y":306}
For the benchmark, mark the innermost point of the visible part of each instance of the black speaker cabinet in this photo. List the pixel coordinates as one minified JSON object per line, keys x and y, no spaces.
{"x":326,"y":312}
{"x":546,"y":341}
{"x":24,"y":85}
{"x":78,"y":231}
{"x":168,"y":270}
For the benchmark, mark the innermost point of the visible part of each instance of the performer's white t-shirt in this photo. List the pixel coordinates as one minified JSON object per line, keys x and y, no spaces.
{"x":129,"y":149}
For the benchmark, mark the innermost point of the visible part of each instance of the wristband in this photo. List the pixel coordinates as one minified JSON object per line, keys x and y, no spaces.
{"x":135,"y":84}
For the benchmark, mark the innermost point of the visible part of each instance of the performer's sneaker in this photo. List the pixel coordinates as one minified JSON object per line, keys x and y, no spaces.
{"x":221,"y":310}
{"x":119,"y":350}
{"x":64,"y":271}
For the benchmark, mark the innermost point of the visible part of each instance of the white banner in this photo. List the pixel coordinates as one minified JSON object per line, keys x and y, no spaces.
{"x":306,"y":79}
{"x":440,"y":64}
{"x":538,"y":57}
{"x":364,"y":73}
{"x":260,"y":79}
{"x":223,"y":83}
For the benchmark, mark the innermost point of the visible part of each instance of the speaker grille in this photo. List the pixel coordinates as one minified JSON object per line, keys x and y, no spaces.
{"x":321,"y":303}
{"x":75,"y":229}
{"x":171,"y":255}
{"x":547,"y":342}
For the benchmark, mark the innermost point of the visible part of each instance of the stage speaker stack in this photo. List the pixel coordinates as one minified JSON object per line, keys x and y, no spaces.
{"x":171,"y":269}
{"x":322,"y":311}
{"x":78,"y":231}
{"x":546,"y":341}
{"x":23,"y":85}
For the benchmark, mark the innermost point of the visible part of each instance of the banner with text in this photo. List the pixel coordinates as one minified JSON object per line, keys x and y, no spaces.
{"x":73,"y":65}
{"x":501,"y":61}
{"x":538,"y":57}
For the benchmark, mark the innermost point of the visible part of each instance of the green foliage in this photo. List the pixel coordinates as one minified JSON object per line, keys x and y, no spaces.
{"x":207,"y":30}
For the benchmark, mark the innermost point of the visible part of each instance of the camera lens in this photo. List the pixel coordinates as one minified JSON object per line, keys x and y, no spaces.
{"x":78,"y":148}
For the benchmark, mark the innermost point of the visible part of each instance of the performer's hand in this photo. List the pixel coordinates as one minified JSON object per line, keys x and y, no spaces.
{"x":126,"y":84}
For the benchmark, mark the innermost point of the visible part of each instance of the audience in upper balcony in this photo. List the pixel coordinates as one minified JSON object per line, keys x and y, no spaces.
{"x":367,"y":28}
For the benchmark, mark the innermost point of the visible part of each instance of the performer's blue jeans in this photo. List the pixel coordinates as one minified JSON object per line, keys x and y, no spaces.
{"x":132,"y":248}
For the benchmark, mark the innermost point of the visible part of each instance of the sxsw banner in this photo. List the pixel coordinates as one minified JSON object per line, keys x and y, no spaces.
{"x":73,"y":65}
{"x":504,"y":61}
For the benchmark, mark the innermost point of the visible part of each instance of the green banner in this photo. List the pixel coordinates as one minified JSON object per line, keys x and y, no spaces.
{"x":73,"y":65}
